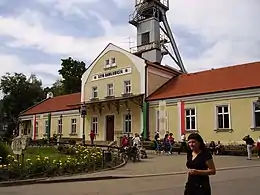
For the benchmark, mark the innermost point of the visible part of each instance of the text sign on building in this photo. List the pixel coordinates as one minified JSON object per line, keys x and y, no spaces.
{"x":110,"y":74}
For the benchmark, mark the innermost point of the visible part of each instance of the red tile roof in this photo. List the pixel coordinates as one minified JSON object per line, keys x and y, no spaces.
{"x":216,"y":80}
{"x":58,"y":103}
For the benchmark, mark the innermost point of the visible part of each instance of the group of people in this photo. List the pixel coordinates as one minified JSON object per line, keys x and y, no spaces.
{"x":250,"y":143}
{"x":166,"y":145}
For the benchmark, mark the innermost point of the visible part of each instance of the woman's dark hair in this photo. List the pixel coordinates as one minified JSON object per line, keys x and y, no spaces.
{"x":199,"y":139}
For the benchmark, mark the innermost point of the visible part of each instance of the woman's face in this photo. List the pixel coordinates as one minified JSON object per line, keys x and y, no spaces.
{"x":194,"y":144}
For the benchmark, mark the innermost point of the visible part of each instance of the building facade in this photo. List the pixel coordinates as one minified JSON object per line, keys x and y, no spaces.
{"x":218,"y":106}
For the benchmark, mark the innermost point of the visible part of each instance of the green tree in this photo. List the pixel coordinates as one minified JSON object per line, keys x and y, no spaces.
{"x":57,"y":88}
{"x":71,"y":72}
{"x":20,"y":93}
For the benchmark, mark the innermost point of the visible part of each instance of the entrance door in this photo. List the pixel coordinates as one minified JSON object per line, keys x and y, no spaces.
{"x":110,"y":127}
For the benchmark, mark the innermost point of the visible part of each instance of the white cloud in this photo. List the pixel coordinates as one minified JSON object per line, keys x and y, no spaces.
{"x":233,"y":26}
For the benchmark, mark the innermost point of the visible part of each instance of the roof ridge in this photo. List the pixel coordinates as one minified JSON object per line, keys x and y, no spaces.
{"x":221,"y":68}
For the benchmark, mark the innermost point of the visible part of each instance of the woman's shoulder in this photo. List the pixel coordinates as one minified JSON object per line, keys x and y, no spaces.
{"x":206,"y":154}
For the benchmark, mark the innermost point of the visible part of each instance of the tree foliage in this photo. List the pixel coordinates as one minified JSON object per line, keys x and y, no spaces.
{"x":20,"y":93}
{"x":71,"y":72}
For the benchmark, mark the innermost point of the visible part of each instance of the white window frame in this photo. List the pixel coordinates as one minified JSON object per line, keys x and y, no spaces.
{"x":110,"y":89}
{"x":223,"y":113}
{"x":157,"y":122}
{"x":60,"y":125}
{"x":113,"y":64}
{"x":253,"y":115}
{"x":73,"y":126}
{"x":190,"y":116}
{"x":107,"y":64}
{"x":95,"y":92}
{"x":36,"y":128}
{"x":46,"y":126}
{"x":126,"y":124}
{"x":127,"y":87}
{"x":94,"y":124}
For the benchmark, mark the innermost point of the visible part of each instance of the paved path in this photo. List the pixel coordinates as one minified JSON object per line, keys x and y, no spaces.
{"x":168,"y":164}
{"x":232,"y":182}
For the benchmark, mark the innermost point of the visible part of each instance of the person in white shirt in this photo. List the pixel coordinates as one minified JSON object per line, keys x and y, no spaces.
{"x":136,"y":140}
{"x":183,"y":144}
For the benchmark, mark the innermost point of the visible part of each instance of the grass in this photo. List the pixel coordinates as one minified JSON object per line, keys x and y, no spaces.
{"x":51,"y":152}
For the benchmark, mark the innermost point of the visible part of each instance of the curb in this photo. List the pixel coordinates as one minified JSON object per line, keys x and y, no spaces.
{"x":66,"y":180}
{"x":185,"y":172}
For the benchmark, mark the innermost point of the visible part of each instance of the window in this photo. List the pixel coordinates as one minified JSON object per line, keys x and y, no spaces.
{"x":256,"y":115}
{"x":94,"y":124}
{"x":223,"y":117}
{"x":46,"y":127}
{"x":127,"y":123}
{"x":73,"y":126}
{"x":145,"y":38}
{"x":190,"y":118}
{"x":94,"y":92}
{"x":36,"y":128}
{"x":60,"y":126}
{"x":113,"y":60}
{"x":107,"y":62}
{"x":127,"y":87}
{"x":110,"y":89}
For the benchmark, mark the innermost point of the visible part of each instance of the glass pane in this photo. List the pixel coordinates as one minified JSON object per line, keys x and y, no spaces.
{"x":219,"y":109}
{"x":220,"y":121}
{"x":257,"y":119}
{"x":193,"y":124}
{"x":129,"y":126}
{"x":257,"y":106}
{"x":187,"y":112}
{"x":188,"y":123}
{"x":192,"y":111}
{"x":225,"y":108}
{"x":226,"y":121}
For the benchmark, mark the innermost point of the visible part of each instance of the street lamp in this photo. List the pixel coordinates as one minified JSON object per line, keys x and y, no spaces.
{"x":83,"y":115}
{"x":128,"y":122}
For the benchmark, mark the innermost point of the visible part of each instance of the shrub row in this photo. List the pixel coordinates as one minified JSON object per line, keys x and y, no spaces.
{"x":234,"y":150}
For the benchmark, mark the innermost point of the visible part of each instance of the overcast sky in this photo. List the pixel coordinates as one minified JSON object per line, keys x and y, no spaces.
{"x":36,"y":34}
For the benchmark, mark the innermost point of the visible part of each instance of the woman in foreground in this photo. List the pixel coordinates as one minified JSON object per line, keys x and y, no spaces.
{"x":200,"y":165}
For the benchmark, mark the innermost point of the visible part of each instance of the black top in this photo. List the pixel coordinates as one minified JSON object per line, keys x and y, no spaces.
{"x":199,"y":163}
{"x":249,"y":141}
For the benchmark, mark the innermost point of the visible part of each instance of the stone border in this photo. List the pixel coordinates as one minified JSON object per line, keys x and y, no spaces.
{"x":61,"y":179}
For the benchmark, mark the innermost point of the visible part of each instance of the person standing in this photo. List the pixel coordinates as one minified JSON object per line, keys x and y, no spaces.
{"x":92,"y":136}
{"x":183,"y":143}
{"x":200,"y":166}
{"x":249,"y":145}
{"x":258,"y":147}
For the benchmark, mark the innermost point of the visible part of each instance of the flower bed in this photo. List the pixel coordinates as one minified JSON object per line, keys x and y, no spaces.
{"x":79,"y":159}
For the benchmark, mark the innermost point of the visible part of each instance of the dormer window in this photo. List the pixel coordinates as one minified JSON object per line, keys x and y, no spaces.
{"x":113,"y":60}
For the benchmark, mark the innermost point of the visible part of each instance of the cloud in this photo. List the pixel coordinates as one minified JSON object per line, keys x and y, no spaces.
{"x":209,"y":34}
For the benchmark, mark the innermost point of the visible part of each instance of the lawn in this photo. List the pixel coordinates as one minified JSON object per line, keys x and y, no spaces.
{"x":50,"y":152}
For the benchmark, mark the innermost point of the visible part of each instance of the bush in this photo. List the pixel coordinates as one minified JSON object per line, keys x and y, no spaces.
{"x":82,"y":160}
{"x":5,"y":150}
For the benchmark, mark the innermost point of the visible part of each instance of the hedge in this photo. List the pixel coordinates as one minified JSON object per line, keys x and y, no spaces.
{"x":232,"y":149}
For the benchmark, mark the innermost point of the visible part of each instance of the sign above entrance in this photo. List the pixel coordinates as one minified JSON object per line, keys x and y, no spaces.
{"x":113,"y":73}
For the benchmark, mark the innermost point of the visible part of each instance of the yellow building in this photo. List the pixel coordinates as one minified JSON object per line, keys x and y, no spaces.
{"x":113,"y":91}
{"x":221,"y":104}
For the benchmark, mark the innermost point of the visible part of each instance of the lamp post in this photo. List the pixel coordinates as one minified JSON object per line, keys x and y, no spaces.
{"x":83,"y":115}
{"x":60,"y":129}
{"x":128,"y":122}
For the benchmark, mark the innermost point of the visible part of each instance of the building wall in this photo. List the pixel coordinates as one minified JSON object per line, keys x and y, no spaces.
{"x":122,"y":61}
{"x":156,"y":79}
{"x":135,"y":112}
{"x":66,"y":126}
{"x":241,"y":116}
